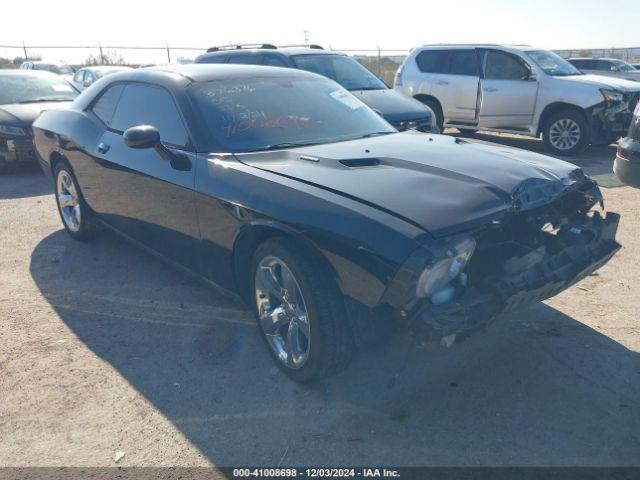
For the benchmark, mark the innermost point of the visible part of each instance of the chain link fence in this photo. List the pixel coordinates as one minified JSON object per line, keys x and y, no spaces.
{"x":382,"y":61}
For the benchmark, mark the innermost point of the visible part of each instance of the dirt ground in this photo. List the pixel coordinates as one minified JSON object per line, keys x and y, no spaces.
{"x":106,"y":351}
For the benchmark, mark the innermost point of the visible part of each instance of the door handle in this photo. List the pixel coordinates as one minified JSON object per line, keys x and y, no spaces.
{"x":442,"y":82}
{"x":103,"y":147}
{"x":490,"y":89}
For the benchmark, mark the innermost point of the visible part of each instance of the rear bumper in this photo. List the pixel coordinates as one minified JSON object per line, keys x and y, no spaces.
{"x":627,"y":169}
{"x":471,"y":309}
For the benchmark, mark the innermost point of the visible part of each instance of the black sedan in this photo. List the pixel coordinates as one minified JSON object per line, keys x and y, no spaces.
{"x":627,"y":163}
{"x":24,"y":94}
{"x":283,"y":187}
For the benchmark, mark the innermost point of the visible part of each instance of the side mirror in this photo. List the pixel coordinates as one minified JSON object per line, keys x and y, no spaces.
{"x":142,"y":136}
{"x":147,"y":136}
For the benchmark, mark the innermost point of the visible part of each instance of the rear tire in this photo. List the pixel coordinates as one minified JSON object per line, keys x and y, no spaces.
{"x":566,"y":133}
{"x":288,"y":286}
{"x":437,"y":110}
{"x":73,"y":210}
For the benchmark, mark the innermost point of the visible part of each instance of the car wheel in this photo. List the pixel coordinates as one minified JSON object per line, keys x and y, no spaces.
{"x":437,"y":110}
{"x":300,"y":311}
{"x":566,"y":133}
{"x":71,"y":206}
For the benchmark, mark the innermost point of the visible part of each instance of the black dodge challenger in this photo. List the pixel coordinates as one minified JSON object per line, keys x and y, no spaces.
{"x":282,"y":187}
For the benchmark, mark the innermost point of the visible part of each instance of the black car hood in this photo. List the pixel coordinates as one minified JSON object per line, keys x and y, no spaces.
{"x":442,"y":184}
{"x":26,"y":113}
{"x":393,"y":106}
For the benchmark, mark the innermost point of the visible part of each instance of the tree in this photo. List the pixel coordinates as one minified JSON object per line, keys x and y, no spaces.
{"x":110,"y":57}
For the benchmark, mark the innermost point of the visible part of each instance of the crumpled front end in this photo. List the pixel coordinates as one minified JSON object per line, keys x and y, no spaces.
{"x":523,"y":258}
{"x":610,"y":120}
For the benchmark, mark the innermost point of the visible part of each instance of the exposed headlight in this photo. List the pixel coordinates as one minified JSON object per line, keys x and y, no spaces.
{"x":444,"y":270}
{"x":611,"y":96}
{"x":15,"y":131}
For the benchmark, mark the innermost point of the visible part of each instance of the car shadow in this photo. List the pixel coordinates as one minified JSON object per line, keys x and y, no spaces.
{"x":27,"y":181}
{"x":595,"y":160}
{"x":539,"y":388}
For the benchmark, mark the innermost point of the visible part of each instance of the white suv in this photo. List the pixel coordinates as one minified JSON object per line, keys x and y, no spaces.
{"x":518,"y":89}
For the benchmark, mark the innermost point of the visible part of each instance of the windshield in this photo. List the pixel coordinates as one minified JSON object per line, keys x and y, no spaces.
{"x":254,"y":114}
{"x":17,"y":88}
{"x":49,"y":67}
{"x":552,"y":63}
{"x":623,"y":66}
{"x":345,"y":70}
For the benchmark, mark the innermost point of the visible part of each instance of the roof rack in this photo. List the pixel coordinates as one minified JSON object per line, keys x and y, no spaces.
{"x":241,"y":46}
{"x":313,"y":45}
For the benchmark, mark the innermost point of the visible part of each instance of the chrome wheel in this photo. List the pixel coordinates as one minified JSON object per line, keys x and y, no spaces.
{"x":68,"y":201}
{"x":564,"y":134}
{"x":282,"y":312}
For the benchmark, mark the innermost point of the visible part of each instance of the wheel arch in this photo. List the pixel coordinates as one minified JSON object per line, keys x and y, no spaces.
{"x":256,"y":233}
{"x":556,"y":107}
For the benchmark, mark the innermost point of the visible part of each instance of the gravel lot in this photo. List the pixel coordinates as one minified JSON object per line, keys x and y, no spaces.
{"x":104,"y":350}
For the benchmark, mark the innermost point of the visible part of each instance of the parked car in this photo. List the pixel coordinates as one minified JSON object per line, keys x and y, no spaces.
{"x":23,"y":95}
{"x":314,"y":209}
{"x":518,"y":90}
{"x":609,"y":67}
{"x":401,"y":112}
{"x":59,"y":68}
{"x":627,"y":163}
{"x":87,"y":75}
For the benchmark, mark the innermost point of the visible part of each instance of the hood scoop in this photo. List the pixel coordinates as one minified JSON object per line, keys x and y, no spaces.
{"x":360,"y":162}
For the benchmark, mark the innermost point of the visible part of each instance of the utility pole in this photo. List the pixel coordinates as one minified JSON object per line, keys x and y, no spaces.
{"x":306,"y":37}
{"x":24,"y":48}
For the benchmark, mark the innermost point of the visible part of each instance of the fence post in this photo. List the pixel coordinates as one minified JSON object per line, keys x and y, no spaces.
{"x":101,"y":54}
{"x":168,"y":53}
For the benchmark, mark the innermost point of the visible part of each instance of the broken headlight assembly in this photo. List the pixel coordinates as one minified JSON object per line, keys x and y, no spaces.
{"x":440,"y":272}
{"x":12,"y":131}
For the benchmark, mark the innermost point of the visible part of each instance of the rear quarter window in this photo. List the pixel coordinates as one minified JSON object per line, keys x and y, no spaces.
{"x":106,"y":104}
{"x":214,"y":59}
{"x":432,"y":61}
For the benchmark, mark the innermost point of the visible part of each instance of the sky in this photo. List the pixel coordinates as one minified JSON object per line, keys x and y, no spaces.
{"x":557,"y":24}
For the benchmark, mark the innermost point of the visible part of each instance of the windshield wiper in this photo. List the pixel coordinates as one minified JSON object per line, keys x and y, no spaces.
{"x":376,"y":134}
{"x":282,"y":145}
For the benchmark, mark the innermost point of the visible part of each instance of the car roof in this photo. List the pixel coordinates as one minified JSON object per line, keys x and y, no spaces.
{"x":284,"y":50}
{"x":19,"y":71}
{"x":598,"y":58}
{"x":207,"y":72}
{"x":42,"y":62}
{"x":105,"y":68}
{"x":478,"y":45}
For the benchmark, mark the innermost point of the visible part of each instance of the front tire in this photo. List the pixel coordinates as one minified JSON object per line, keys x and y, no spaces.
{"x":566,"y":133}
{"x":72,"y":208}
{"x":300,"y":311}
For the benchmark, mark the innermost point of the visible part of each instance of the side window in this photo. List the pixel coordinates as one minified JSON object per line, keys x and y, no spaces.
{"x":503,"y":66}
{"x":274,"y":61}
{"x":78,"y":77}
{"x":603,"y":65}
{"x":246,"y":59}
{"x":89,"y":78}
{"x":214,"y":59}
{"x":432,"y":61}
{"x":106,"y":104}
{"x":463,"y":62}
{"x":149,"y":105}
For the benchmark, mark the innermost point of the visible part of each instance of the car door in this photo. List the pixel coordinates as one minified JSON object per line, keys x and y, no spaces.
{"x":508,"y":91}
{"x":453,"y":77}
{"x":143,"y":195}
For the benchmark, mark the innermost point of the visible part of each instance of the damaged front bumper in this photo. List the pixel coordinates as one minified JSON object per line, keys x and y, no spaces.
{"x":610,"y":121}
{"x":16,"y":150}
{"x":530,"y":278}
